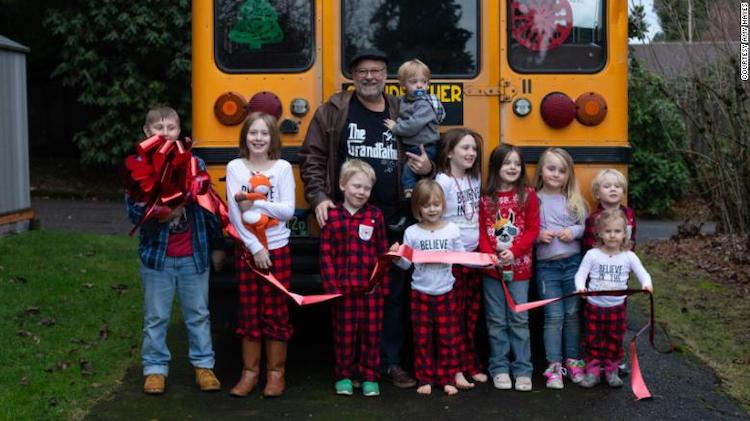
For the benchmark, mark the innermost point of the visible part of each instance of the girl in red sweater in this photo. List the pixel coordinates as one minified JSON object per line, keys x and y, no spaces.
{"x":508,"y":226}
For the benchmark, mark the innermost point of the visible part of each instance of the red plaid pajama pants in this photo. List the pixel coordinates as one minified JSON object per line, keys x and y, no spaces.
{"x":436,"y":334}
{"x":357,"y":324}
{"x":468,"y":289}
{"x":604,"y":332}
{"x":263,"y":309}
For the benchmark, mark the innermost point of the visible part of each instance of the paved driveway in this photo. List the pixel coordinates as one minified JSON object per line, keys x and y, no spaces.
{"x":683,"y":388}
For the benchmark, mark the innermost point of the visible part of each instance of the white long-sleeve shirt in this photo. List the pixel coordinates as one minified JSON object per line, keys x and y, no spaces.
{"x":609,"y":273}
{"x":432,"y":278}
{"x":280,"y":203}
{"x":462,"y":206}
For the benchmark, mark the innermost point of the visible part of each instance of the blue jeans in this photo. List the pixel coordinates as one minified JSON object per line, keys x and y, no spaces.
{"x":158,"y":293}
{"x":408,"y":178}
{"x":507,"y":330}
{"x":555,"y":278}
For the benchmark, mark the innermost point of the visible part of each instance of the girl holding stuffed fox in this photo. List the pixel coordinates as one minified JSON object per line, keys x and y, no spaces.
{"x":508,"y":227}
{"x":260,"y":192}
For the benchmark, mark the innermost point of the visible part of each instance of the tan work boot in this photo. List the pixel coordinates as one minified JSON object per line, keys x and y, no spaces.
{"x":250,"y":370}
{"x":154,"y":384}
{"x":275,"y":361}
{"x":206,"y":379}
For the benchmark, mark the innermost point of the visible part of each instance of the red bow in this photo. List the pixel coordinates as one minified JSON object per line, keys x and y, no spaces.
{"x":165,"y":175}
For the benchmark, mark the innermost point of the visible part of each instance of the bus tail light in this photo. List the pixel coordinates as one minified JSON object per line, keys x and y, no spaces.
{"x":591,"y":108}
{"x":557,"y":110}
{"x":266,"y":102}
{"x":230,"y":109}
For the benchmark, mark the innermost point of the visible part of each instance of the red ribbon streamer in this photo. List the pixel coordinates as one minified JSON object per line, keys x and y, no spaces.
{"x":637,"y":384}
{"x":212,"y":202}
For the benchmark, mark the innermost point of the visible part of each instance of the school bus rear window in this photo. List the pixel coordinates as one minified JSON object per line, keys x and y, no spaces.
{"x":556,"y":36}
{"x":443,"y":34}
{"x":263,"y":35}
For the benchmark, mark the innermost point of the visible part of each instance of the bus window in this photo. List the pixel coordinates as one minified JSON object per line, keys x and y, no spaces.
{"x":556,"y":36}
{"x":442,"y":34}
{"x":254,"y":36}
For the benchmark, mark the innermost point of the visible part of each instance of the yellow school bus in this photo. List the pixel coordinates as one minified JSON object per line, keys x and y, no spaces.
{"x":534,"y":73}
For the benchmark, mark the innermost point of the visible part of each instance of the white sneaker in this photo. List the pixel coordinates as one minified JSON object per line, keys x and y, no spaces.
{"x":523,"y":384}
{"x":502,"y":381}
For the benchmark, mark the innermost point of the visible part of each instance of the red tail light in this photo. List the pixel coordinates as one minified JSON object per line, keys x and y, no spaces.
{"x":266,"y":102}
{"x":557,"y":110}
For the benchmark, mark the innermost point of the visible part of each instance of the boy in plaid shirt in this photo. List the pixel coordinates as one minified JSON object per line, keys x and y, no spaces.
{"x":350,"y":243}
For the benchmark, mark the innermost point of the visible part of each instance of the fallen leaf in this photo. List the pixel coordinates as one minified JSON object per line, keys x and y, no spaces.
{"x":104,"y":332}
{"x":49,"y":321}
{"x":120,"y":288}
{"x":86,"y":368}
{"x":26,"y":334}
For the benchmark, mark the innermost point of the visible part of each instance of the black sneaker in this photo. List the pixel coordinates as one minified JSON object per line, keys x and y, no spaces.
{"x":400,"y":378}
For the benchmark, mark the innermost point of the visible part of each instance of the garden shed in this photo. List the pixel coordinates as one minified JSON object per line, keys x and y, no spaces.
{"x":15,"y":193}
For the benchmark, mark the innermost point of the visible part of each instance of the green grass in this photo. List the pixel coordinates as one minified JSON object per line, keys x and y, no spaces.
{"x":70,"y":319}
{"x":708,"y":318}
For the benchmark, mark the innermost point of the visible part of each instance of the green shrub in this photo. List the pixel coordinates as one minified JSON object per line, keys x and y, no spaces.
{"x":658,"y":172}
{"x":123,"y":60}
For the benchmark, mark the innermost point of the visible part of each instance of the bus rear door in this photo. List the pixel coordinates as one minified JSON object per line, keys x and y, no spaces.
{"x":255,"y":55}
{"x":564,"y":66}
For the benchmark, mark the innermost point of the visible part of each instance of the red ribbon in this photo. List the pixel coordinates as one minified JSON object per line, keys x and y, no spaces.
{"x":638,"y":385}
{"x":212,"y":202}
{"x":381,"y":268}
{"x":164,"y":175}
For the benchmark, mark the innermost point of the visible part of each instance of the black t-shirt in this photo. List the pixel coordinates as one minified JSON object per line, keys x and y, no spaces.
{"x":365,"y":137}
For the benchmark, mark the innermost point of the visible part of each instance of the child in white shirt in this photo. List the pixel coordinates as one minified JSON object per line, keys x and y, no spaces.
{"x":605,"y":317}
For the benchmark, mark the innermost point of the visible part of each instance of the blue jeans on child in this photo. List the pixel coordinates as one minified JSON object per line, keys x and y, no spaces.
{"x":408,"y":178}
{"x":555,"y":278}
{"x":506,"y":329}
{"x":158,"y":293}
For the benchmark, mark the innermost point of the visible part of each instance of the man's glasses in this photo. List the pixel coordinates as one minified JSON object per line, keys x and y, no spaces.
{"x":374,"y":72}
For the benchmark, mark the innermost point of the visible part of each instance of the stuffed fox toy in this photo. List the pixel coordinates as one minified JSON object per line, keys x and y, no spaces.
{"x":255,"y":221}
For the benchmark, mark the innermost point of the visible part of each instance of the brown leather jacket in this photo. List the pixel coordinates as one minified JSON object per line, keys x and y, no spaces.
{"x":319,"y":154}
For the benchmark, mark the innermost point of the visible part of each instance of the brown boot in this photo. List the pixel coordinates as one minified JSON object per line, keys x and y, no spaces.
{"x":250,"y":370}
{"x":276,"y":359}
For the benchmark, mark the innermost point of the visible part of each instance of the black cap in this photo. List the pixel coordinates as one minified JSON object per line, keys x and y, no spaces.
{"x":368,"y":53}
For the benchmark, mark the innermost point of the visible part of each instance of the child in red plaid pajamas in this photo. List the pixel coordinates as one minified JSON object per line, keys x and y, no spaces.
{"x":609,"y":187}
{"x":350,"y":244}
{"x":459,"y":164}
{"x":433,"y":302}
{"x":263,"y":309}
{"x":605,"y":317}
